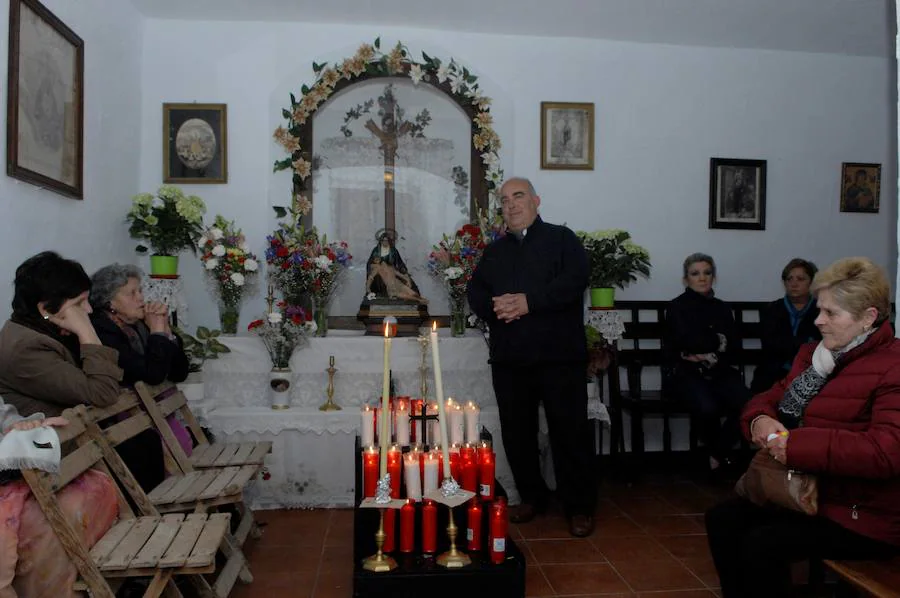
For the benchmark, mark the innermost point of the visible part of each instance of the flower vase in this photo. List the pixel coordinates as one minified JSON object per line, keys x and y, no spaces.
{"x":320,"y":317}
{"x":280,"y":387}
{"x":229,"y":314}
{"x":603,"y":297}
{"x":164,"y":266}
{"x":458,"y":317}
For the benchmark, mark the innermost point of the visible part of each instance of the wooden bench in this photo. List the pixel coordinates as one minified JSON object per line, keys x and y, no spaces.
{"x":874,"y":578}
{"x":641,"y":349}
{"x":147,"y":546}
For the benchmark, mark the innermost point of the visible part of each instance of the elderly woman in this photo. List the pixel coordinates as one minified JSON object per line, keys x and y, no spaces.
{"x":140,"y":332}
{"x":837,"y":415}
{"x":50,"y":355}
{"x":698,"y":343}
{"x":787,"y":324}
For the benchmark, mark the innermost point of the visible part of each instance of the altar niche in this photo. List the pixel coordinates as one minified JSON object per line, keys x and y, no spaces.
{"x":391,"y":155}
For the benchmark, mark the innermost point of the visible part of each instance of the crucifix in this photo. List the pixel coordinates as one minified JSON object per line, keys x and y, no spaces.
{"x":393,"y":127}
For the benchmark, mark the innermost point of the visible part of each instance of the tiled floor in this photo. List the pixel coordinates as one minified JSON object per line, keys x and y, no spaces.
{"x":649,"y":542}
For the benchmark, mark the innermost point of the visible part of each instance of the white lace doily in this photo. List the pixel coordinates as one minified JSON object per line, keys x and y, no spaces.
{"x":169,"y":291}
{"x":607,"y":322}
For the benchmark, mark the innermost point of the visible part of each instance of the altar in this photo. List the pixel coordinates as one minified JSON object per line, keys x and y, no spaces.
{"x":310,"y":464}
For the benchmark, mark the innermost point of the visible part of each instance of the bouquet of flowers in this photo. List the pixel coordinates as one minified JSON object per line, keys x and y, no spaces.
{"x":615,"y":260}
{"x":168,"y":222}
{"x":282,"y":331}
{"x":453,"y":260}
{"x":230,"y":268}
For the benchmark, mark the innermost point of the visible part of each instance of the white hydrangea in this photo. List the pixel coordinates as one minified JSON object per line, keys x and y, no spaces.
{"x":216,"y":233}
{"x":238,"y":279}
{"x":274,"y":317}
{"x":218,"y":250}
{"x":453,"y":272}
{"x":251,"y":265}
{"x":212,"y":264}
{"x":323,"y":262}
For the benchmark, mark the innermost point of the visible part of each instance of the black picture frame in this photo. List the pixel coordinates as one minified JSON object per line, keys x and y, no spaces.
{"x":860,"y":187}
{"x":45,"y":103}
{"x":737,"y":194}
{"x":195,"y":143}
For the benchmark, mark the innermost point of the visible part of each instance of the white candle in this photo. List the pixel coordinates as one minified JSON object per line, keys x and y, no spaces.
{"x":401,"y":423}
{"x":411,"y":473}
{"x":439,"y":395}
{"x":472,"y":412}
{"x":431,"y":473}
{"x":457,"y":423}
{"x":367,"y":426}
{"x":384,"y":439}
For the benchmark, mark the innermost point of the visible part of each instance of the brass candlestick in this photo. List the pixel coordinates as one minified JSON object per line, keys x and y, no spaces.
{"x":330,"y":405}
{"x":379,"y":562}
{"x":453,"y":559}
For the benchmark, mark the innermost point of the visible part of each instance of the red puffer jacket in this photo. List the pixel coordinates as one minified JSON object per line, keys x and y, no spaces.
{"x":850,"y":435}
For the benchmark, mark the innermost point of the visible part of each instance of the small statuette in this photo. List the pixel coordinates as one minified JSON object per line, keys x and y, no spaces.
{"x":383,"y":490}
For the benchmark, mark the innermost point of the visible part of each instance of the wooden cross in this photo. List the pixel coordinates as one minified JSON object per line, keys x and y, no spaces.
{"x":389,"y":134}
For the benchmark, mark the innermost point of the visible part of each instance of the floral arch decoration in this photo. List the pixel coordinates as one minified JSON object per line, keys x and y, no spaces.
{"x":370,"y":62}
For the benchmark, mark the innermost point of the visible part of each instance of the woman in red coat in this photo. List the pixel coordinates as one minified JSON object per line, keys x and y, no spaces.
{"x":837,"y":415}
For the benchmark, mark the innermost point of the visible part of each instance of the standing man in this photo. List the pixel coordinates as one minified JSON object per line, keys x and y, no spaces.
{"x":529,"y":288}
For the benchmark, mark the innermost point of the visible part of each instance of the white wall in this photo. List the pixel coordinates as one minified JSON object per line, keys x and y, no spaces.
{"x":662,"y":112}
{"x":91,"y":230}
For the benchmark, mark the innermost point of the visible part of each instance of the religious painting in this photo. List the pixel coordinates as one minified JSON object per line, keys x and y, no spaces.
{"x":195,"y":143}
{"x":860,"y":187}
{"x":567,"y":136}
{"x":391,"y":172}
{"x":45,"y":104}
{"x":737,"y":194}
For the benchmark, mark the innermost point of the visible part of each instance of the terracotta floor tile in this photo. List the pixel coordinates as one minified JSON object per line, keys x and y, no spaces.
{"x":617,"y":526}
{"x":574,"y":550}
{"x":697,"y":504}
{"x":704,"y":569}
{"x":536,"y":584}
{"x":334,"y":585}
{"x":582,"y":579}
{"x":545,"y":527}
{"x":670,"y":525}
{"x":677,"y":594}
{"x":646,"y":506}
{"x":276,"y":585}
{"x":266,"y":560}
{"x":686,"y":546}
{"x":337,"y":559}
{"x":630,"y":548}
{"x":660,"y":574}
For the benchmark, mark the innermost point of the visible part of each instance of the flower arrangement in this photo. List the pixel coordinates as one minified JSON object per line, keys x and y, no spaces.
{"x":282,"y":331}
{"x":230,"y":268}
{"x":301,"y":261}
{"x":614,"y":259}
{"x":168,"y":222}
{"x":369,"y":60}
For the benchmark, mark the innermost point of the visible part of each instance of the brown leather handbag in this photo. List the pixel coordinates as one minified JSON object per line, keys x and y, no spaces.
{"x":769,"y":483}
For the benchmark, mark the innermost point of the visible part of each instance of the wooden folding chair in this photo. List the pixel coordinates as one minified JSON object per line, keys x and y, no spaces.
{"x":146,"y":546}
{"x":196,"y":491}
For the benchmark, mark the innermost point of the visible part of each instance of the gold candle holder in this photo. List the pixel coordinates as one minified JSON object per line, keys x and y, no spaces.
{"x":379,"y":562}
{"x":453,"y":559}
{"x":330,"y":405}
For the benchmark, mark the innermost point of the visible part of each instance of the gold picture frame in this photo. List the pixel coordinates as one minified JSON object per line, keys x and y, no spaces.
{"x":195,"y":143}
{"x":45,"y":104}
{"x":567,"y":136}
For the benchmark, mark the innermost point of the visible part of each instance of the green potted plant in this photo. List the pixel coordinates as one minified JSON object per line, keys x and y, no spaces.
{"x":167,"y":223}
{"x":614,"y":261}
{"x":206,"y":345}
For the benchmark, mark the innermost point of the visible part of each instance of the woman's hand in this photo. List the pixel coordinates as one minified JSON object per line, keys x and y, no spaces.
{"x":777,"y":447}
{"x":30,"y":424}
{"x":762,"y":427}
{"x":692,"y":358}
{"x":73,"y":317}
{"x":156,"y":316}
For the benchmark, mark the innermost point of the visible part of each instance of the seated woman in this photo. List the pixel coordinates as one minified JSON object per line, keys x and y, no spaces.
{"x":837,"y":415}
{"x":787,"y":324}
{"x":698,"y":342}
{"x":32,"y":559}
{"x":51,"y":357}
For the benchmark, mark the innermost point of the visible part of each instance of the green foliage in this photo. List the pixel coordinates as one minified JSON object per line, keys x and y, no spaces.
{"x":613,"y":258}
{"x":168,"y":222}
{"x":205,"y":345}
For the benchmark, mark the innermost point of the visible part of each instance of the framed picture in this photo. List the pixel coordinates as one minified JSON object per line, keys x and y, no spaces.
{"x":45,"y":105}
{"x":567,"y":136}
{"x":737,"y":194}
{"x":860,"y":187}
{"x":195,"y":143}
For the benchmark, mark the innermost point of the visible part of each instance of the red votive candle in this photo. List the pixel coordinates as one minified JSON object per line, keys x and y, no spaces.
{"x":429,"y":527}
{"x":499,"y":525}
{"x":473,"y":529}
{"x":370,"y":471}
{"x":486,"y":472}
{"x":407,"y":527}
{"x":394,"y":465}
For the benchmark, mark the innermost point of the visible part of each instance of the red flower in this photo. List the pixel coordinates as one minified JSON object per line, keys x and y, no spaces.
{"x":255,"y":324}
{"x":296,"y":319}
{"x":281,"y":252}
{"x":286,"y":266}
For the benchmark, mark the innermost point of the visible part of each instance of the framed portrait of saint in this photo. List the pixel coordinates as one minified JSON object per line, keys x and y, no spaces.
{"x":45,"y":104}
{"x":567,"y":136}
{"x":195,"y":143}
{"x":737,"y":194}
{"x":860,"y":187}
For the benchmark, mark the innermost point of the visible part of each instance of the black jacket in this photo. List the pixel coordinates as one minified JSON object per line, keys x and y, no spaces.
{"x":162,"y":360}
{"x":693,"y":325}
{"x":779,"y":344}
{"x":550,"y":266}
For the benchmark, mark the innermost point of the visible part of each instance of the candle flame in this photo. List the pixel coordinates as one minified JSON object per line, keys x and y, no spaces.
{"x":434,"y":325}
{"x":387,"y":330}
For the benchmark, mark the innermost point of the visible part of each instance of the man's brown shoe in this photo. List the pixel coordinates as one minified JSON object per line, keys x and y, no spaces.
{"x":581,"y":526}
{"x":522,"y":513}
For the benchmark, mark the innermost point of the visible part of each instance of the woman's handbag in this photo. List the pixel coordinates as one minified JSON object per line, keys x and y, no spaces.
{"x":767,"y":482}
